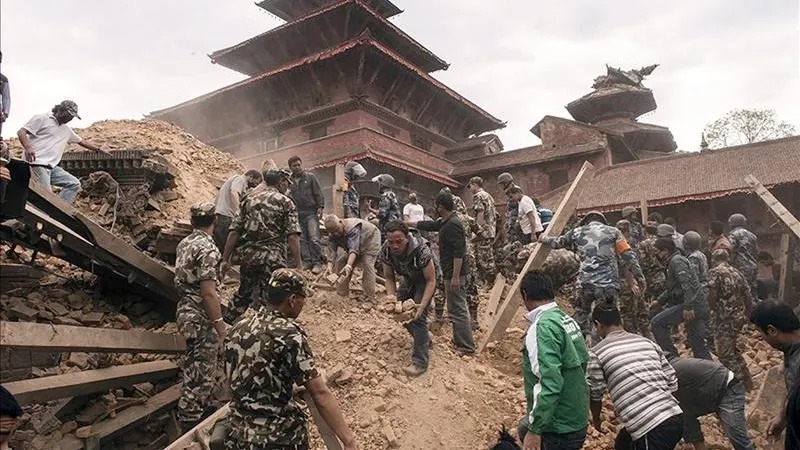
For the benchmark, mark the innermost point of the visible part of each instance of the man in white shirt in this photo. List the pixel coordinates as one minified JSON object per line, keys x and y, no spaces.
{"x":228,"y":199}
{"x":528,"y":216}
{"x":413,"y":211}
{"x":45,"y":138}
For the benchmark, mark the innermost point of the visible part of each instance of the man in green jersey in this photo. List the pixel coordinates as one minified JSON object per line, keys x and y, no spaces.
{"x":554,"y":368}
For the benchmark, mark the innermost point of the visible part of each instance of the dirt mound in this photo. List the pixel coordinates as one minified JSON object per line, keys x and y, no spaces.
{"x":194,"y":173}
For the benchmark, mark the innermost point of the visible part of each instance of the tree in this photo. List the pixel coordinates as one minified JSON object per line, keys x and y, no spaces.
{"x":745,"y":126}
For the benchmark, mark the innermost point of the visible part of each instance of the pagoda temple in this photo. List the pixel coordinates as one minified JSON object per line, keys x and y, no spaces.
{"x":338,"y":82}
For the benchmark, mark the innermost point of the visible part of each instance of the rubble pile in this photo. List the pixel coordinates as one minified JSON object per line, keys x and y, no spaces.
{"x":192,"y":172}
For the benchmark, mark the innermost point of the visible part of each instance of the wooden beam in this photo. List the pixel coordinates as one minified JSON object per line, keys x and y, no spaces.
{"x":338,"y":194}
{"x":777,"y":207}
{"x":124,"y":421}
{"x":643,"y":213}
{"x":325,"y":431}
{"x":786,"y":258}
{"x":360,"y":72}
{"x":512,"y":301}
{"x":375,"y":73}
{"x":319,"y":84}
{"x":496,"y":294}
{"x":63,"y":338}
{"x":347,"y":15}
{"x":40,"y":390}
{"x":410,"y":92}
{"x":392,"y":87}
{"x":424,"y":107}
{"x":203,"y":427}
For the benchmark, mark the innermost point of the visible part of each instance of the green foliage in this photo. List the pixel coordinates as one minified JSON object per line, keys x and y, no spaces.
{"x":745,"y":126}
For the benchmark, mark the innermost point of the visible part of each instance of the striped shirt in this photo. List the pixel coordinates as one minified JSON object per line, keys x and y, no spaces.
{"x":639,"y":379}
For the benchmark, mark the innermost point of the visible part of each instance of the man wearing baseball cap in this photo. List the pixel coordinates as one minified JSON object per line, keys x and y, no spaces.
{"x":45,"y":138}
{"x":266,"y":353}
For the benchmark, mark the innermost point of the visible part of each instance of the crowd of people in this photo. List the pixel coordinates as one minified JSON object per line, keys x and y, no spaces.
{"x":634,"y":283}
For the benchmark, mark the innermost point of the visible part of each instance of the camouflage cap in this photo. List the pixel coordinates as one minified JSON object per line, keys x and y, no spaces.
{"x":504,"y":178}
{"x":70,"y":107}
{"x":290,"y":281}
{"x":623,"y":225}
{"x":627,"y":211}
{"x":202,"y":209}
{"x":720,"y":254}
{"x":664,"y":230}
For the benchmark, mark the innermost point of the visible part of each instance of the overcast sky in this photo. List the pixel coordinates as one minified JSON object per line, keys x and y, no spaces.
{"x":518,"y":59}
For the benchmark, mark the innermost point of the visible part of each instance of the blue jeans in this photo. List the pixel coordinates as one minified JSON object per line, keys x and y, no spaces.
{"x":730,"y":412}
{"x":695,"y":331}
{"x":554,"y":441}
{"x":309,"y":238}
{"x":419,"y":328}
{"x":70,"y":186}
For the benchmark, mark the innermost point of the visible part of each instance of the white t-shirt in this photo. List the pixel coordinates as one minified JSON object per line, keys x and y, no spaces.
{"x":49,"y":139}
{"x":526,"y":205}
{"x":414,"y":212}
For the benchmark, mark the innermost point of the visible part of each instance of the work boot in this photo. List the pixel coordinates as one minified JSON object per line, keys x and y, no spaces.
{"x":317,"y":269}
{"x":414,"y":370}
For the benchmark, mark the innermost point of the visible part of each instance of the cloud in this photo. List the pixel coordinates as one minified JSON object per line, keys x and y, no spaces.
{"x":518,"y":59}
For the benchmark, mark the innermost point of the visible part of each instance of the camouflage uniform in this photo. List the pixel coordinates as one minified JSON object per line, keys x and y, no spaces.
{"x":471,"y":279}
{"x":598,"y":276}
{"x":198,"y":259}
{"x":728,"y":310}
{"x":265,"y":220}
{"x":350,"y":202}
{"x":632,"y":308}
{"x":266,"y":354}
{"x":388,"y":209}
{"x":562,"y":267}
{"x":653,"y":271}
{"x":513,"y":231}
{"x":745,"y":246}
{"x":635,"y":235}
{"x":483,"y":205}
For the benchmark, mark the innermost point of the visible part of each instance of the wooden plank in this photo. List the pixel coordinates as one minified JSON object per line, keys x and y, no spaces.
{"x":63,"y":338}
{"x":643,"y":211}
{"x":777,"y":207}
{"x":205,"y":426}
{"x":328,"y":436}
{"x":511,"y":303}
{"x":787,"y":266}
{"x":40,"y":390}
{"x":496,"y":294}
{"x":338,"y":194}
{"x":108,"y":430}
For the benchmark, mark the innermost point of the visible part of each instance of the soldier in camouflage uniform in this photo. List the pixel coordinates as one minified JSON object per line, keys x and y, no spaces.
{"x":266,"y":354}
{"x":266,"y":224}
{"x":632,"y":308}
{"x":636,"y":233}
{"x":561,"y":265}
{"x":730,"y":300}
{"x":652,"y":268}
{"x":745,"y":249}
{"x":512,"y":228}
{"x":199,"y":314}
{"x":353,"y":171}
{"x":486,"y":219}
{"x":388,"y":206}
{"x":597,"y":246}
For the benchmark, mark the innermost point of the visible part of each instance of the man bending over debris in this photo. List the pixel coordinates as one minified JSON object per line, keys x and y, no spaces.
{"x":228,"y":199}
{"x":411,"y":257}
{"x":45,"y":138}
{"x":199,"y":314}
{"x":265,"y":225}
{"x":554,"y":361}
{"x":597,"y":246}
{"x":361,"y":242}
{"x":266,"y":354}
{"x":780,"y":327}
{"x":640,"y":381}
{"x":706,"y":387}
